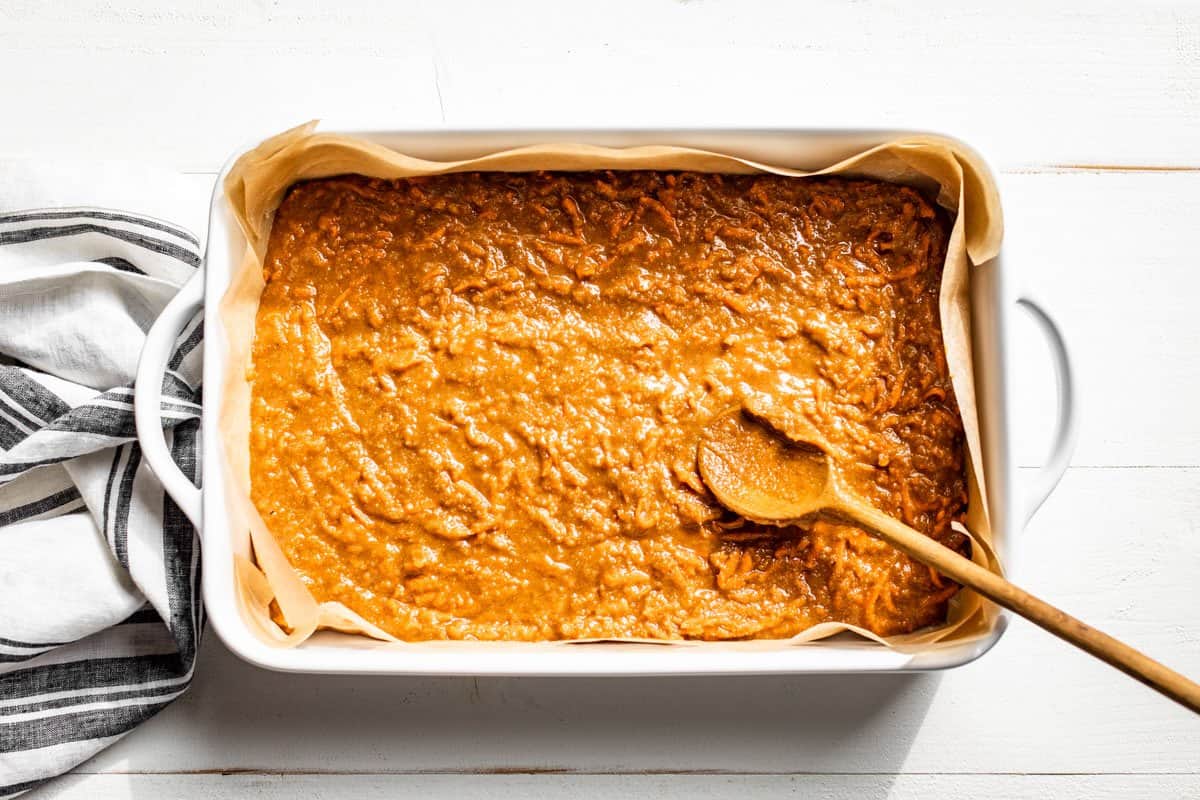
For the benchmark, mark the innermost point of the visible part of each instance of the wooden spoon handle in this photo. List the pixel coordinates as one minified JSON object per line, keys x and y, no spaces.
{"x":966,"y":572}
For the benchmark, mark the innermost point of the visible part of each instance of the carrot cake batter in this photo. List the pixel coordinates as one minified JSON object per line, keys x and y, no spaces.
{"x":477,"y":398}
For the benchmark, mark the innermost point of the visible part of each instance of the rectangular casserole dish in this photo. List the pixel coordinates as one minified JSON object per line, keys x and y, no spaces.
{"x":991,"y":302}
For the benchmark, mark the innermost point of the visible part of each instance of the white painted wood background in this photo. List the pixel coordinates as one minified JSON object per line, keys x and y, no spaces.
{"x":1090,"y":113}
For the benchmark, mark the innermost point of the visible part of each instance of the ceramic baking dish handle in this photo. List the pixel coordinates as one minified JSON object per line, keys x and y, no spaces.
{"x":147,"y":396}
{"x":1067,"y":426}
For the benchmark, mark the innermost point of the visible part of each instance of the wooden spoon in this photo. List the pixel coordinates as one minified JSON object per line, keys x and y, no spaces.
{"x":757,"y":473}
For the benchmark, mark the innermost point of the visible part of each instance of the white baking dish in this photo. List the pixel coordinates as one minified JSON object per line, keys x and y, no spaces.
{"x":991,"y":301}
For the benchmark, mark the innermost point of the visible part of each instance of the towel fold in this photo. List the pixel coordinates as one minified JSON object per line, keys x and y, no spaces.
{"x":100,"y":612}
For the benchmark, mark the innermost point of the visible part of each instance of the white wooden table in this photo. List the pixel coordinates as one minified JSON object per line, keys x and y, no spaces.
{"x":1090,"y":114}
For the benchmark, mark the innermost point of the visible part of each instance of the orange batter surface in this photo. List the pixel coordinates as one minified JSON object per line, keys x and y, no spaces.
{"x":477,"y":399}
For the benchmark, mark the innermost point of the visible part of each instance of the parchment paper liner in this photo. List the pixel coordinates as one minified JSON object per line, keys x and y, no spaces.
{"x":256,"y":184}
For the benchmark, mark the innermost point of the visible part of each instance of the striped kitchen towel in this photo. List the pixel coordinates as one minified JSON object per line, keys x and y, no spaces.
{"x":100,"y":615}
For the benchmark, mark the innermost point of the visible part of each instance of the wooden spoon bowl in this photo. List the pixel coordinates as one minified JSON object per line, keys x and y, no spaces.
{"x":755,"y":472}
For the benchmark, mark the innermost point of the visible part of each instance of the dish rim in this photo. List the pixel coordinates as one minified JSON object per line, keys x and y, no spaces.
{"x":330,"y":652}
